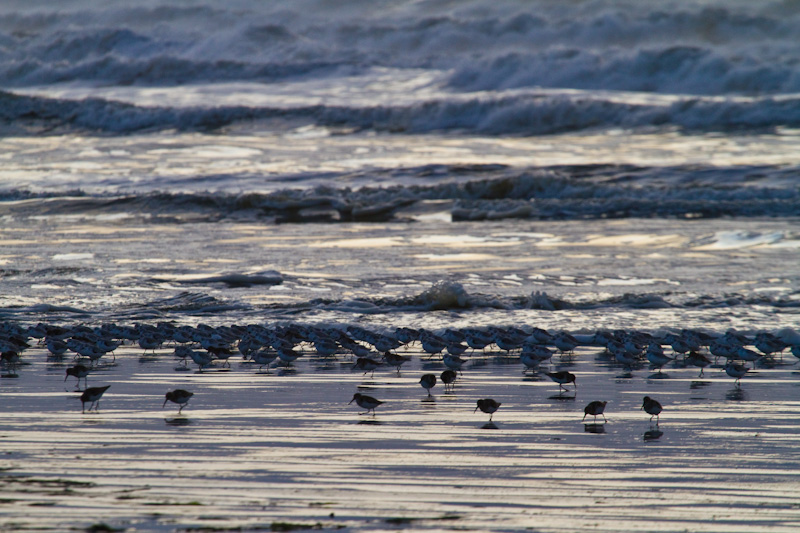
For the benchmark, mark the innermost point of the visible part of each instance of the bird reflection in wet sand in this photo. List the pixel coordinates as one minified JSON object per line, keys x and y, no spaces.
{"x":652,"y":434}
{"x":365,"y":402}
{"x":652,"y":408}
{"x":594,"y":428}
{"x":92,"y":395}
{"x":736,"y":394}
{"x":179,"y":396}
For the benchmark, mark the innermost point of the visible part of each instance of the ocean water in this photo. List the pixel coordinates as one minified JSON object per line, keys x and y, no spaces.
{"x":367,"y":166}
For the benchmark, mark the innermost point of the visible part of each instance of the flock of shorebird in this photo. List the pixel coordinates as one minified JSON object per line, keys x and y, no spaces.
{"x":264,"y":345}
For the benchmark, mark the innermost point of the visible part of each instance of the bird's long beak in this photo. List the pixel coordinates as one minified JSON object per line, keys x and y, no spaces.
{"x":65,"y":377}
{"x":475,"y":409}
{"x":164,"y":404}
{"x":351,"y":401}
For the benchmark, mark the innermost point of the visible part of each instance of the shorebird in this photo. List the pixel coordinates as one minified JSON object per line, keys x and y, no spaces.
{"x":449,"y":379}
{"x":287,"y":355}
{"x":562,"y":378}
{"x":150,"y":343}
{"x":182,"y":352}
{"x":530,"y":361}
{"x":655,"y":354}
{"x":201,"y":359}
{"x":395,"y":360}
{"x":652,"y":408}
{"x":747,"y":355}
{"x":263,"y":358}
{"x":736,"y":371}
{"x":92,"y":395}
{"x":367,"y":365}
{"x":10,"y":358}
{"x":453,"y":362}
{"x":179,"y":396}
{"x":595,"y":408}
{"x":428,"y":381}
{"x":79,"y":372}
{"x":488,"y":406}
{"x":698,"y":360}
{"x":565,"y":342}
{"x":365,"y":402}
{"x":57,"y":347}
{"x":221,"y":353}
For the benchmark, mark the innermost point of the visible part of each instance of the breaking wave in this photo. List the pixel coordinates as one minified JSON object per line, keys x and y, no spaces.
{"x":523,"y":115}
{"x":470,"y":193}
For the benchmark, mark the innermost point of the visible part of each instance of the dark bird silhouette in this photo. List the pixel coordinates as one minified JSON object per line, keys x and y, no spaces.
{"x":488,"y":406}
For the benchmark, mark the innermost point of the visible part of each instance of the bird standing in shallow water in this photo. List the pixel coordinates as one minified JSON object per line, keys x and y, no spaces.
{"x":699,"y":360}
{"x":488,"y":406}
{"x":365,"y":402}
{"x":79,"y":372}
{"x":595,"y":408}
{"x":736,"y":371}
{"x":449,"y":379}
{"x":428,"y":381}
{"x":367,"y":365}
{"x":395,"y":360}
{"x":652,"y":408}
{"x":562,"y":378}
{"x":92,"y":395}
{"x":179,"y":396}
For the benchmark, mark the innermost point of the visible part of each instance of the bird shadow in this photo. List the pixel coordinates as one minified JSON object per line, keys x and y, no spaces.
{"x":178,"y":421}
{"x":658,"y":375}
{"x":369,"y":422}
{"x":652,"y":434}
{"x":736,"y":395}
{"x":489,"y":425}
{"x":563,"y":397}
{"x":594,"y":428}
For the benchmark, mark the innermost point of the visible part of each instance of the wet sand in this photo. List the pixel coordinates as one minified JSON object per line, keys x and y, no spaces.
{"x":258,"y":451}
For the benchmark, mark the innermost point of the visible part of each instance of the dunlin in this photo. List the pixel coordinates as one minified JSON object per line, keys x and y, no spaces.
{"x":179,"y":396}
{"x":736,"y":371}
{"x":365,"y":402}
{"x":395,"y":360}
{"x":92,"y":395}
{"x":652,"y":408}
{"x":488,"y":406}
{"x":449,"y":379}
{"x":563,"y":377}
{"x":595,"y":408}
{"x":79,"y":372}
{"x":367,"y":365}
{"x":428,"y":381}
{"x":699,"y":360}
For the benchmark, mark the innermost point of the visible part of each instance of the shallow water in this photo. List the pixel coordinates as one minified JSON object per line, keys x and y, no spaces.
{"x":252,"y":448}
